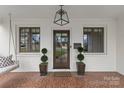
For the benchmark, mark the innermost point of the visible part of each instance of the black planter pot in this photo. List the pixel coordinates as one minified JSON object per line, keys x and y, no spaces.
{"x":43,"y":69}
{"x":80,"y":68}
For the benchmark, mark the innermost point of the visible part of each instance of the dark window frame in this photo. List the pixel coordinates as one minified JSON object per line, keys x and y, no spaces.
{"x":29,"y":39}
{"x":103,"y":39}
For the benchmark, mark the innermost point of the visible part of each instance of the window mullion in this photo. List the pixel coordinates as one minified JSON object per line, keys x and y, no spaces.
{"x":30,"y":36}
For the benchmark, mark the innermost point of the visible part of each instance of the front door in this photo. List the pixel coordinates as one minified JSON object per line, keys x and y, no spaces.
{"x":61,"y":49}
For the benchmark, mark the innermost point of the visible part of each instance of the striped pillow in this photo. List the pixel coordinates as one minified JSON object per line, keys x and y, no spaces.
{"x":6,"y":61}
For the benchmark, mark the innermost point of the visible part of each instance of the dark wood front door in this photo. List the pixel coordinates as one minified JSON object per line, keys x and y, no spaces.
{"x":61,"y":49}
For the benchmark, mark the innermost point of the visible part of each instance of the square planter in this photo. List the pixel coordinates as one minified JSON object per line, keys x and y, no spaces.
{"x":80,"y":68}
{"x":43,"y":69}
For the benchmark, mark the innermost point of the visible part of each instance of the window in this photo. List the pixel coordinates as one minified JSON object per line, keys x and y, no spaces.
{"x":29,"y":39}
{"x":93,"y":39}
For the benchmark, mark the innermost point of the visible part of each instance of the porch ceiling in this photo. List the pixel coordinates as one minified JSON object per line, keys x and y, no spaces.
{"x":74,"y":11}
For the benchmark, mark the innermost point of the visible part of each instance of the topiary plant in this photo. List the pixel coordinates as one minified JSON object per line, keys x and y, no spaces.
{"x":44,"y":50}
{"x":80,"y":65}
{"x":44,"y":58}
{"x":80,"y":49}
{"x":80,"y":56}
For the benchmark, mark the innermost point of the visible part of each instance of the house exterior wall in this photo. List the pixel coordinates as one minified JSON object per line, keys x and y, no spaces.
{"x":120,"y":45}
{"x":94,"y":62}
{"x":4,"y":38}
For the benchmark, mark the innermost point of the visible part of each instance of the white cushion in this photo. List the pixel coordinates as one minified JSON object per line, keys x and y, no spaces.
{"x":9,"y":68}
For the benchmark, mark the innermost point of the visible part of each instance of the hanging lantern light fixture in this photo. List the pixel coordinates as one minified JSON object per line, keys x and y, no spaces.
{"x":61,"y":17}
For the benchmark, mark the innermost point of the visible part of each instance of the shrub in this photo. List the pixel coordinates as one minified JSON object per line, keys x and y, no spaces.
{"x":44,"y":58}
{"x":80,"y":56}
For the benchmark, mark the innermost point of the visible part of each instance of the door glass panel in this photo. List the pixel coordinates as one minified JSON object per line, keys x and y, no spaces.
{"x":64,"y":46}
{"x":58,"y":47}
{"x":61,"y":49}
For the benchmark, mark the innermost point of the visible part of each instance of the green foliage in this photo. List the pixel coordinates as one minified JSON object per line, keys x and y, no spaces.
{"x":60,"y":52}
{"x":44,"y":50}
{"x":80,"y":49}
{"x":80,"y":56}
{"x":44,"y":58}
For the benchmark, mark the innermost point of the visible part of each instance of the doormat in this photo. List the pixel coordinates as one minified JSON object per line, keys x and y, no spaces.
{"x":62,"y":74}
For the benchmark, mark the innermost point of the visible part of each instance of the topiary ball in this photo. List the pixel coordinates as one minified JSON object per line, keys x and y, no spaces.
{"x":80,"y":57}
{"x":44,"y":58}
{"x":80,"y":49}
{"x":44,"y":50}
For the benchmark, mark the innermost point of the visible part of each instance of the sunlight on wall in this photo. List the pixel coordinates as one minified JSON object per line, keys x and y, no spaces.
{"x":1,"y":28}
{"x":1,"y":25}
{"x":3,"y":38}
{"x":1,"y":20}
